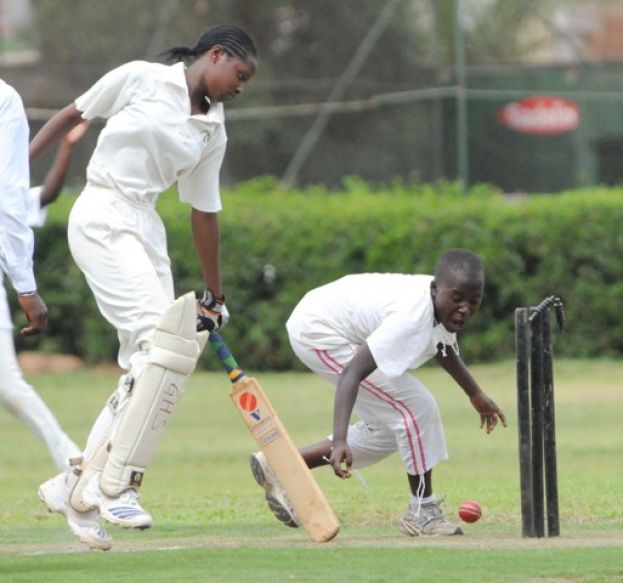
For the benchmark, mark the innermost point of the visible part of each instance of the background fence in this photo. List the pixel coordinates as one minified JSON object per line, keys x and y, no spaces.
{"x":381,"y":89}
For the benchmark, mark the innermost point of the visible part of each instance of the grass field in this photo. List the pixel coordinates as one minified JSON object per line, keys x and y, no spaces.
{"x":211,"y":523}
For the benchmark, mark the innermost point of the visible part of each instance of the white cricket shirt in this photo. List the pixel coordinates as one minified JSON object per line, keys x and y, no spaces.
{"x":16,"y":238}
{"x":151,"y":140}
{"x":35,"y":217}
{"x":393,"y":313}
{"x":36,"y":214}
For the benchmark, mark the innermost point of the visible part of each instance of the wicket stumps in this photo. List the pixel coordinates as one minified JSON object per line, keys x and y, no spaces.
{"x":535,"y":417}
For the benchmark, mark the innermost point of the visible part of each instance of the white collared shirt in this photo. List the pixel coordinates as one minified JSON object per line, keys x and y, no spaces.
{"x":151,"y":139}
{"x":393,"y":313}
{"x":16,"y":237}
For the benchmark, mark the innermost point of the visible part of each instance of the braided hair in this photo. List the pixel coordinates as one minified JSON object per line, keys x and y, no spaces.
{"x":235,"y":41}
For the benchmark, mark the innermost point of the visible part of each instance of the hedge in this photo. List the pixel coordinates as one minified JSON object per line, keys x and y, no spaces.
{"x":278,"y":244}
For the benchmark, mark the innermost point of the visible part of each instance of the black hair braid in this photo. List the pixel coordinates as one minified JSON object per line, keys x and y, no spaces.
{"x":180,"y":53}
{"x":235,"y":41}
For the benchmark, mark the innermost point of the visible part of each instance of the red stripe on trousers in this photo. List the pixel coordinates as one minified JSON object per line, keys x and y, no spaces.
{"x":402,"y":408}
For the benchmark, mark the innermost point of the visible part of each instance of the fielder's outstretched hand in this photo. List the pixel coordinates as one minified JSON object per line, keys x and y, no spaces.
{"x":489,"y":411}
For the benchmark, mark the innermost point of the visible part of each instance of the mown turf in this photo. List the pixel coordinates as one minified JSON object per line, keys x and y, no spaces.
{"x":210,"y":516}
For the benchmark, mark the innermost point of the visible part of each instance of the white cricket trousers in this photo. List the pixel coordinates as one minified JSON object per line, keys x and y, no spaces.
{"x":18,"y":397}
{"x":120,"y":246}
{"x":396,"y":415}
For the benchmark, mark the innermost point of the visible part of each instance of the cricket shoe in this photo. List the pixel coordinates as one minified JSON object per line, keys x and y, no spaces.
{"x":124,"y":510}
{"x":276,"y":497}
{"x":428,"y":520}
{"x":86,"y":526}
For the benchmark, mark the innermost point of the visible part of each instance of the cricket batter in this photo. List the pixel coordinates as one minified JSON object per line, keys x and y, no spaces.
{"x":165,"y":125}
{"x":363,"y":333}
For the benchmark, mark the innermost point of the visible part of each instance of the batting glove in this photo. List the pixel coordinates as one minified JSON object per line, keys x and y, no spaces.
{"x":212,"y":312}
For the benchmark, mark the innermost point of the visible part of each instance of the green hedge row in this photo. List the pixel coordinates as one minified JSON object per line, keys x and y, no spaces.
{"x":278,"y":244}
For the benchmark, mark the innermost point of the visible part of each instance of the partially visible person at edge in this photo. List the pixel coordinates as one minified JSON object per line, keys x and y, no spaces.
{"x":16,"y":237}
{"x":16,"y":395}
{"x":165,"y":125}
{"x":363,"y":333}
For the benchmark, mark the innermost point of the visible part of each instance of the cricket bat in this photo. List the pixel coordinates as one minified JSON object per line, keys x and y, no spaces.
{"x":310,"y":505}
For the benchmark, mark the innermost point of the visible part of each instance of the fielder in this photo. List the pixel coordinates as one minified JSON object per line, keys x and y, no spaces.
{"x":16,"y":394}
{"x":363,"y":333}
{"x":16,"y":250}
{"x":16,"y":237}
{"x":165,"y":125}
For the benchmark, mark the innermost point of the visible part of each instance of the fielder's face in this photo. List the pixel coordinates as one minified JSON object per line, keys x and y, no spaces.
{"x":226,"y":76}
{"x":456,"y":299}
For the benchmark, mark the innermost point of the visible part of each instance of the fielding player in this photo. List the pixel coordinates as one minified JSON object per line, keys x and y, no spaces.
{"x":363,"y":333}
{"x":165,"y":125}
{"x":16,"y":394}
{"x":16,"y":237}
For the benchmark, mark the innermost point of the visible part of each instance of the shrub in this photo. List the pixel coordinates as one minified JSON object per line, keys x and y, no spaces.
{"x":277,"y":244}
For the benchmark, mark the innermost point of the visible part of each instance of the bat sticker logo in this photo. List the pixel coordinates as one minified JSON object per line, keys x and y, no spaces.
{"x":248,"y":402}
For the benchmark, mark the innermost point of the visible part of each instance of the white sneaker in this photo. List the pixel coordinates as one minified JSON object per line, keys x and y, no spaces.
{"x":124,"y":510}
{"x":276,"y":497}
{"x":85,"y":525}
{"x":431,"y":520}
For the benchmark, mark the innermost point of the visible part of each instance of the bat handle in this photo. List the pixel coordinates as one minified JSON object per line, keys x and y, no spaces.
{"x":227,"y":359}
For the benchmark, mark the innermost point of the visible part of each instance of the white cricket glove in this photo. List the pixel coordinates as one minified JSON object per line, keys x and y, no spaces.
{"x":212,"y":313}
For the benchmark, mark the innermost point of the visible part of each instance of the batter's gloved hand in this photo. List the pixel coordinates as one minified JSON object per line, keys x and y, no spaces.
{"x":212,"y":313}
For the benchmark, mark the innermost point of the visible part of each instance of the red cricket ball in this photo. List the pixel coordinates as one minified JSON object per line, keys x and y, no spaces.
{"x":470,"y":511}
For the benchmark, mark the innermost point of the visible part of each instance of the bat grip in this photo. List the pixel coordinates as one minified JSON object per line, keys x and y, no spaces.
{"x":227,"y":359}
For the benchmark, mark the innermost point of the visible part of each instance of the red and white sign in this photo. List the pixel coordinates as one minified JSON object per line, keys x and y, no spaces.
{"x":541,"y":114}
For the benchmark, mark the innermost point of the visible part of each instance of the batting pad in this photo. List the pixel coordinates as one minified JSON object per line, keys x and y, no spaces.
{"x":159,"y":387}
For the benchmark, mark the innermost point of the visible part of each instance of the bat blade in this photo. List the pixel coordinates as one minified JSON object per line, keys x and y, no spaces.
{"x":312,"y":508}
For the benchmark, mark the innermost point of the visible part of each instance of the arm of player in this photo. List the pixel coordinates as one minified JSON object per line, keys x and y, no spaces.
{"x":206,"y":237}
{"x":489,"y":412}
{"x":361,"y":365}
{"x":58,"y":125}
{"x":55,"y":178}
{"x":213,"y":313}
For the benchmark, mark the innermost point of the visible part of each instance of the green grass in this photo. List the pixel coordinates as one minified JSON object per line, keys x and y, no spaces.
{"x":211,"y":523}
{"x":334,"y":564}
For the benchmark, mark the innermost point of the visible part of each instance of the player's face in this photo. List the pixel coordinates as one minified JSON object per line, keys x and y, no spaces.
{"x":456,"y":300}
{"x":226,"y":76}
